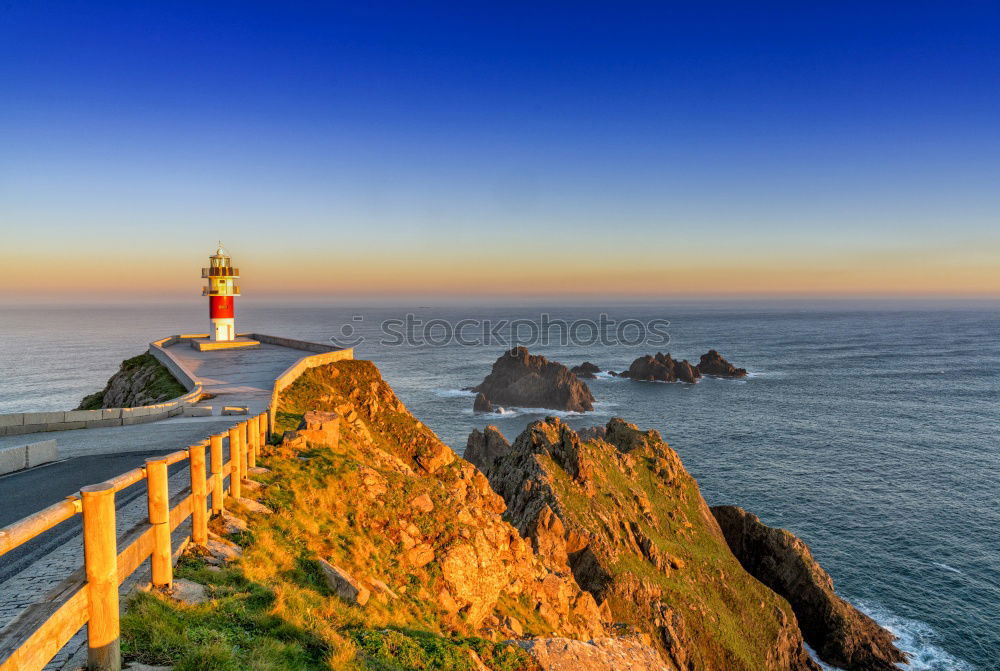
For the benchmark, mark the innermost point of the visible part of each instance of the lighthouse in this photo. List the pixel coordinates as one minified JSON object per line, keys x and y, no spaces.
{"x":222,"y":291}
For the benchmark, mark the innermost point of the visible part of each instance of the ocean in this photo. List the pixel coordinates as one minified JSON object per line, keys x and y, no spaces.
{"x":869,"y":429}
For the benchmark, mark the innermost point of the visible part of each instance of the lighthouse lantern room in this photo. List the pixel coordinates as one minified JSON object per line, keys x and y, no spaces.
{"x":222,"y":291}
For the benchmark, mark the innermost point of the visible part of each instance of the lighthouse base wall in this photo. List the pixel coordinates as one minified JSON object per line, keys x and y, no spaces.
{"x":205,"y":345}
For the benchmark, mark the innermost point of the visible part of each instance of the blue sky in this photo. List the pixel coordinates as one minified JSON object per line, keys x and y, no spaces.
{"x":801,"y":145}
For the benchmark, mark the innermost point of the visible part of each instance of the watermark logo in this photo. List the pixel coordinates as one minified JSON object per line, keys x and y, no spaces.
{"x":412,"y":331}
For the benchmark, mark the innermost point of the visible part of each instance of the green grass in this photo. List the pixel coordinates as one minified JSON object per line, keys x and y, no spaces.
{"x":162,"y":386}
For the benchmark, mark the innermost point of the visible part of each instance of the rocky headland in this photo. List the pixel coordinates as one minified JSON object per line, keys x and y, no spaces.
{"x":386,"y":550}
{"x":839,"y":632}
{"x":141,"y":380}
{"x":524,"y":380}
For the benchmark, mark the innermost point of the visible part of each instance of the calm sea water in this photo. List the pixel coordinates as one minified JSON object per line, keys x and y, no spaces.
{"x":870,"y":431}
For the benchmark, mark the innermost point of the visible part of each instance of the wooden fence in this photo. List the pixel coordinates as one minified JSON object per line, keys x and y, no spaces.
{"x":89,"y":596}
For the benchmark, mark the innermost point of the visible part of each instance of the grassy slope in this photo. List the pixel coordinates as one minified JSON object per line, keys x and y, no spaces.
{"x":728,"y":614}
{"x":272,"y":610}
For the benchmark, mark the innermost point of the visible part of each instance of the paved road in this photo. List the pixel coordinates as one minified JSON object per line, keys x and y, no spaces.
{"x":27,"y":492}
{"x":236,"y":377}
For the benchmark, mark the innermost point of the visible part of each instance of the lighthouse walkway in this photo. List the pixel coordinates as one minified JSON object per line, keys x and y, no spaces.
{"x":243,"y":377}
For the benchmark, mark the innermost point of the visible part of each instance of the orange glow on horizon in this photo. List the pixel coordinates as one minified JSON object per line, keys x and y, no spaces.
{"x":535,"y":274}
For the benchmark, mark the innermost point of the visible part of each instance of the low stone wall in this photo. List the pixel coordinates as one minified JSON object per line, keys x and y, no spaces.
{"x":65,"y":420}
{"x":27,"y":456}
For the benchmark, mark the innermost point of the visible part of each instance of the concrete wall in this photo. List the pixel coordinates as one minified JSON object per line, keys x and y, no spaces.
{"x":33,"y":422}
{"x":65,"y":420}
{"x":27,"y":456}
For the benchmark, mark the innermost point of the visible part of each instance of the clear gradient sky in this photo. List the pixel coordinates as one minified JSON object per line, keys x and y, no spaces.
{"x":649,"y":149}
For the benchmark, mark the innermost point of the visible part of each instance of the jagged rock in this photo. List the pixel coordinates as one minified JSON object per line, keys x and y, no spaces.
{"x":841,"y":634}
{"x":600,"y":654}
{"x":188,"y":592}
{"x":137,"y":666}
{"x":635,"y":506}
{"x":663,"y":368}
{"x":592,"y":433}
{"x":522,"y":379}
{"x":253,"y":506}
{"x":712,"y":363}
{"x":258,"y":470}
{"x":343,"y":585}
{"x":482,"y":404}
{"x":483,"y":447}
{"x":585,"y":370}
{"x":232,"y":524}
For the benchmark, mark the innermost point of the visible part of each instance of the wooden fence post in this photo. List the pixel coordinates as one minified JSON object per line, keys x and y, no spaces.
{"x":100,"y":554}
{"x":218,"y":495}
{"x":199,"y":489}
{"x":262,"y":425}
{"x":245,"y":448}
{"x":235,"y":476}
{"x":253,"y":437}
{"x":158,"y":500}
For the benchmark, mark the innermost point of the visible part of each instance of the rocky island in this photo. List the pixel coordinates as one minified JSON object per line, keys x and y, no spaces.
{"x":525,"y":380}
{"x":661,"y":367}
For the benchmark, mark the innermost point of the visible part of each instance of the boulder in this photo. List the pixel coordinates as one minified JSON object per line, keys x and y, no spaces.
{"x":519,"y":378}
{"x":188,"y":592}
{"x":343,"y":584}
{"x":483,"y":447}
{"x":599,"y":654}
{"x":422,"y":504}
{"x":482,"y":404}
{"x":585,"y":370}
{"x":662,"y":368}
{"x":713,"y":363}
{"x":839,"y":633}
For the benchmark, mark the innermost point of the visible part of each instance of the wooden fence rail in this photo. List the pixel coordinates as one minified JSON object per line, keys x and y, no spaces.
{"x":89,"y":596}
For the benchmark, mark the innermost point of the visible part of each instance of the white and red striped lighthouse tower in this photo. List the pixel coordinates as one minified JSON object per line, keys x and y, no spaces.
{"x":222,"y":291}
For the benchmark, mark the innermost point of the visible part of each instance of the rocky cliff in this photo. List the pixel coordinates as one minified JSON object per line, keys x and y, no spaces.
{"x":630,"y":522}
{"x":840,"y":633}
{"x":141,"y":380}
{"x":521,"y":379}
{"x":425,"y":521}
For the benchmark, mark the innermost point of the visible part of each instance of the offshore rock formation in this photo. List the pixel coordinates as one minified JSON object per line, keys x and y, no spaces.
{"x":141,"y":380}
{"x":585,"y":370}
{"x":630,"y":522}
{"x":528,"y":381}
{"x":662,"y":368}
{"x":840,"y":633}
{"x":713,"y":363}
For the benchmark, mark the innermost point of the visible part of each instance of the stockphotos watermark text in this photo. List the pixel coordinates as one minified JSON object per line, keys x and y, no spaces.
{"x":412,"y":331}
